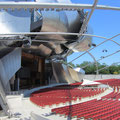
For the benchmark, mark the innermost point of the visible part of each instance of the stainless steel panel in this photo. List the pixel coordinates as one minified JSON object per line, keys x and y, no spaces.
{"x":46,"y":21}
{"x":63,"y":21}
{"x":14,"y":21}
{"x":76,"y":76}
{"x":65,"y":74}
{"x":9,"y":65}
{"x":59,"y":21}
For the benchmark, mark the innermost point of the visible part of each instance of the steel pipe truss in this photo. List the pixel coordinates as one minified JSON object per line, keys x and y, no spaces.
{"x":95,"y":61}
{"x":52,"y":6}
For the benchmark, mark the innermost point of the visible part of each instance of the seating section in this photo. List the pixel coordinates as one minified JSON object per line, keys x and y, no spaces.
{"x":62,"y":94}
{"x":107,"y":108}
{"x":112,"y":95}
{"x":110,"y":82}
{"x":101,"y":109}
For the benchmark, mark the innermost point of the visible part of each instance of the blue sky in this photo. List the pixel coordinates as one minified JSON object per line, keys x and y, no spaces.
{"x":104,"y":23}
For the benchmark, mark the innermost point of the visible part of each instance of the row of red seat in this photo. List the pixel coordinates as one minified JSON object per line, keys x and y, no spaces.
{"x":112,"y":95}
{"x":110,"y":82}
{"x":101,"y":109}
{"x":57,"y":95}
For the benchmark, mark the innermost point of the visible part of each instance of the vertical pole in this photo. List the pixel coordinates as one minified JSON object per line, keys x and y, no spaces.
{"x":18,"y":81}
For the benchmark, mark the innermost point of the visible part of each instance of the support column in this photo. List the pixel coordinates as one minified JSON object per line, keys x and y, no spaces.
{"x":16,"y":85}
{"x":41,"y":69}
{"x":12,"y":80}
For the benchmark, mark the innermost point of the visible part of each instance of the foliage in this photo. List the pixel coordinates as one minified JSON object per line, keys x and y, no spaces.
{"x":90,"y":68}
{"x":115,"y":73}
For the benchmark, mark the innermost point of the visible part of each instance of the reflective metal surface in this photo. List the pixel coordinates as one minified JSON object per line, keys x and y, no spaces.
{"x":14,"y":21}
{"x":65,"y":74}
{"x":46,"y":21}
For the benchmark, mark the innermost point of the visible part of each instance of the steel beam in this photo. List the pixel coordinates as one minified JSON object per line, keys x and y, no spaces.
{"x":37,"y":5}
{"x":47,"y":33}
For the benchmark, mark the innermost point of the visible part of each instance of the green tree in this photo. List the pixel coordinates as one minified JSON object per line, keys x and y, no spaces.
{"x":88,"y":67}
{"x":113,"y":68}
{"x":104,"y":71}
